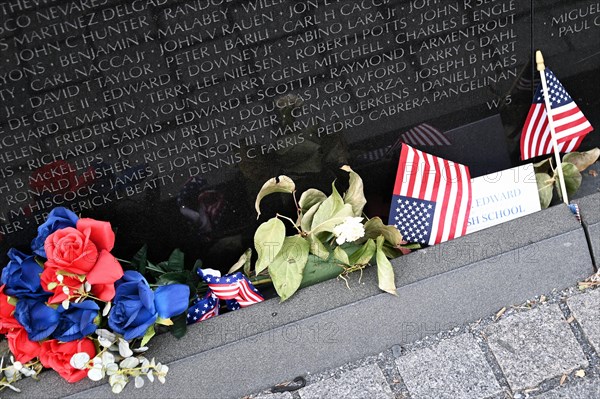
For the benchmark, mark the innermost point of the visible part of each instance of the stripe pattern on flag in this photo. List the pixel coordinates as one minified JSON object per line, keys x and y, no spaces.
{"x":432,"y":198}
{"x":424,"y":135}
{"x":570,"y":124}
{"x":234,"y":286}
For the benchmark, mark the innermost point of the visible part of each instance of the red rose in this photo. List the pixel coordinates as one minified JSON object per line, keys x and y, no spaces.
{"x":84,"y":250}
{"x":21,"y":347}
{"x":7,"y":318}
{"x":103,"y":276}
{"x":58,"y":356}
{"x":71,"y":250}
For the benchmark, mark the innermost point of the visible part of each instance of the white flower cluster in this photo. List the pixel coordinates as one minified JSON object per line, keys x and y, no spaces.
{"x":119,"y":362}
{"x":14,"y":372}
{"x":349,"y":231}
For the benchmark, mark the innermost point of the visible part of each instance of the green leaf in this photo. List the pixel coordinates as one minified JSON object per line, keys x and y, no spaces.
{"x":161,"y":267}
{"x":572,"y":179}
{"x":341,"y":255}
{"x":164,"y":322}
{"x":542,"y":166}
{"x":268,"y":241}
{"x":182,"y":277}
{"x":385,"y":271}
{"x":197,"y":265}
{"x":391,"y":252}
{"x":243,"y":261}
{"x":375,"y":228}
{"x":317,"y":247}
{"x":281,"y":184}
{"x":318,"y":270}
{"x":176,"y":261}
{"x":11,"y":300}
{"x":179,"y":327}
{"x":582,"y":160}
{"x":140,"y":259}
{"x":364,"y":254}
{"x":287,"y":267}
{"x":307,"y":218}
{"x":544,"y":183}
{"x":148,"y":335}
{"x":336,"y":219}
{"x":332,"y":205}
{"x":311,"y":197}
{"x":355,"y":195}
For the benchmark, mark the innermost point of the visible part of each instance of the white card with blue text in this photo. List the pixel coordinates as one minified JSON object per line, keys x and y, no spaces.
{"x":503,"y":196}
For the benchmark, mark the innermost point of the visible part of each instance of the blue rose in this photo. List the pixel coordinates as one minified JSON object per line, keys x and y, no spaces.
{"x":57,"y":219}
{"x":38,"y":319}
{"x":77,"y":321}
{"x":136,"y":307}
{"x":22,"y":277}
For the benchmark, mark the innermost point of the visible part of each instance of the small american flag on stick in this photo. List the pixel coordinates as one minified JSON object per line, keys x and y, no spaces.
{"x":570,"y":124}
{"x":432,"y":198}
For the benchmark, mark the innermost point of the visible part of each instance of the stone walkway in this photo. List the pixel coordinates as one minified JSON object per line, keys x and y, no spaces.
{"x":546,"y":348}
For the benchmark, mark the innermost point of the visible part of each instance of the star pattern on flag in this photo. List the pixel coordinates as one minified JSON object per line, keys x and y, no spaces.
{"x":557,"y":93}
{"x":414,"y":218}
{"x":203,"y":309}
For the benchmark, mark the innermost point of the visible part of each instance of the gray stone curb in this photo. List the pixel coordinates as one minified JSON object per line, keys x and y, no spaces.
{"x":326,"y":325}
{"x":589,"y":207}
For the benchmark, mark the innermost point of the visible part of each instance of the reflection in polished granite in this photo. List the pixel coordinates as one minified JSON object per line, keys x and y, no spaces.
{"x":171,"y":114}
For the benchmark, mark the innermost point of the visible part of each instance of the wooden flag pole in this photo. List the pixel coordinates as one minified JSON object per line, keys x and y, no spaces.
{"x":539,"y":59}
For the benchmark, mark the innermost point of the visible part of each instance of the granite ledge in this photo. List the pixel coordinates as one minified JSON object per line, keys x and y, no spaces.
{"x":449,"y":284}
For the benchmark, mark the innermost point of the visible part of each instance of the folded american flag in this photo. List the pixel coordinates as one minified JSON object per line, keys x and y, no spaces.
{"x":570,"y":124}
{"x":432,"y":198}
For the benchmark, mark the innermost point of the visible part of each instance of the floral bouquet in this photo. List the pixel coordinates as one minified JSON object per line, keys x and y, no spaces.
{"x":332,"y":238}
{"x":70,"y":307}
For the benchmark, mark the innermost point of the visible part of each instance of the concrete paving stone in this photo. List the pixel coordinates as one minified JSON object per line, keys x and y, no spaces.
{"x":453,"y":369}
{"x":360,"y":383}
{"x":586,"y":309}
{"x":587,"y":389}
{"x":533,"y":346}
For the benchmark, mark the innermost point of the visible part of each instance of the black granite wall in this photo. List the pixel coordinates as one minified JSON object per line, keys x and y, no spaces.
{"x":166,"y":117}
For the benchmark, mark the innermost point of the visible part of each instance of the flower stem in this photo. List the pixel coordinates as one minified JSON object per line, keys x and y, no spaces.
{"x":291,"y":221}
{"x":261,"y":281}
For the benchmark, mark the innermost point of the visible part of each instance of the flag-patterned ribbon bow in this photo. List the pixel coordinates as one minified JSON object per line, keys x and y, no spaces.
{"x":235,"y":289}
{"x":232,"y":287}
{"x":203,"y":309}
